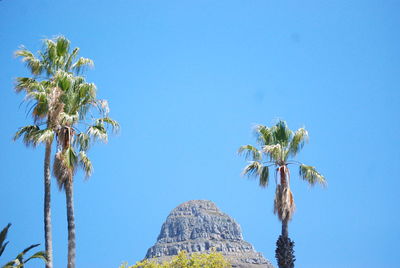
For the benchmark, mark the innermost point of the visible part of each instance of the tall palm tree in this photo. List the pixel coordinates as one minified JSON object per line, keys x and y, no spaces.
{"x":78,"y":98}
{"x":41,"y":89}
{"x":277,"y":146}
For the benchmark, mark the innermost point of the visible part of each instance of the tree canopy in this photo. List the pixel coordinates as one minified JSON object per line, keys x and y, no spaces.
{"x":184,"y":260}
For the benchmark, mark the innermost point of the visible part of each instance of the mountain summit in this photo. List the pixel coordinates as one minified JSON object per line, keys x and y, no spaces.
{"x":199,"y":226}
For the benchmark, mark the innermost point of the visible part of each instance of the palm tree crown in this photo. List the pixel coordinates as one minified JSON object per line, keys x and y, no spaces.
{"x":78,"y":98}
{"x":278,"y":145}
{"x":49,"y":69}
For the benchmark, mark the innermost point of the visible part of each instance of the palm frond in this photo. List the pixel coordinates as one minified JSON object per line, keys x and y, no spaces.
{"x":71,"y":158}
{"x":27,"y":84}
{"x":300,"y":137}
{"x":81,"y":63}
{"x":33,"y":63}
{"x":281,"y":133}
{"x":12,"y":264}
{"x":29,"y":134}
{"x":264,"y":176}
{"x":50,"y":57}
{"x":86,"y":91}
{"x":68,"y":119}
{"x":64,"y":166}
{"x":83,"y":141}
{"x":110,"y":122}
{"x":254,"y":168}
{"x":284,"y":205}
{"x":39,"y":96}
{"x":44,"y":136}
{"x":64,"y":80}
{"x":102,"y":105}
{"x":85,"y":163}
{"x":311,"y":175}
{"x":71,"y":58}
{"x":3,"y":236}
{"x":19,"y":261}
{"x":38,"y":255}
{"x":249,"y":150}
{"x":60,"y":170}
{"x":98,"y":132}
{"x":28,"y":249}
{"x":275,"y":152}
{"x":264,"y":135}
{"x":62,"y":46}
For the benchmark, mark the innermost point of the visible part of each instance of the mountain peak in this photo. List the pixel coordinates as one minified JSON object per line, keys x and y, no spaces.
{"x":198,"y":226}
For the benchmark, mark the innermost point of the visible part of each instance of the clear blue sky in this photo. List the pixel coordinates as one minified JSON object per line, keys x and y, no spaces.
{"x":187,"y":80}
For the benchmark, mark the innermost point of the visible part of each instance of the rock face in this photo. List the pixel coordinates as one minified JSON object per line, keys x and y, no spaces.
{"x":198,"y":226}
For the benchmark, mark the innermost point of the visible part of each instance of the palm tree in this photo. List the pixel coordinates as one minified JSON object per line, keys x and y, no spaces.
{"x":42,"y":90}
{"x":78,"y":98}
{"x":278,"y":145}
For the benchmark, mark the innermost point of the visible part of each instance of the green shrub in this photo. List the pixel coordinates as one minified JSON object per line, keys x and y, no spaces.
{"x":183,"y":260}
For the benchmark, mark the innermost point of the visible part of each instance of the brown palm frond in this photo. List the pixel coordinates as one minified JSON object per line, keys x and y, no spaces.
{"x":60,"y":170}
{"x":65,"y":136}
{"x":284,"y":205}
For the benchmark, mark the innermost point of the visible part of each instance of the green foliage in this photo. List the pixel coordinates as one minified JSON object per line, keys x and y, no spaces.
{"x":311,"y":175}
{"x":276,"y":145}
{"x":19,"y":261}
{"x":61,"y":98}
{"x":183,"y":260}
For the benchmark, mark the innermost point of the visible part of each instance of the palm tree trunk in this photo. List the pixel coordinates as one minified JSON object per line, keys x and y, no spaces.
{"x":284,"y":252}
{"x":47,"y":210}
{"x":71,"y":223}
{"x":285,"y":227}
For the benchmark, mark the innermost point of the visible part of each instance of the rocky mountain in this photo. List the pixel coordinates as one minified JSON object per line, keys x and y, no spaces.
{"x":198,"y":226}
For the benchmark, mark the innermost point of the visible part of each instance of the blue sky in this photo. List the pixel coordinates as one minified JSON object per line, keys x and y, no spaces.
{"x":187,"y":80}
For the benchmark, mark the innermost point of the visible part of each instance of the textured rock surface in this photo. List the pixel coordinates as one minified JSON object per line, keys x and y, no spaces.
{"x":198,"y":226}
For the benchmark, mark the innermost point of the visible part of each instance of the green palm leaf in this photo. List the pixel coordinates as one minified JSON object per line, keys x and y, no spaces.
{"x":275,"y":152}
{"x":281,"y":133}
{"x":298,"y":140}
{"x":264,"y":176}
{"x":85,"y":163}
{"x":19,"y":261}
{"x":38,"y":255}
{"x":264,"y":135}
{"x":3,"y":236}
{"x":68,"y":119}
{"x":250,"y":150}
{"x":29,"y":134}
{"x":254,"y":168}
{"x":83,"y":141}
{"x":70,"y":158}
{"x":81,"y":64}
{"x":27,"y":84}
{"x":98,"y":132}
{"x":311,"y":175}
{"x":34,"y":64}
{"x":44,"y":136}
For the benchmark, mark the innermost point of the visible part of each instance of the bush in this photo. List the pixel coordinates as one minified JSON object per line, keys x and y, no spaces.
{"x":183,"y":260}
